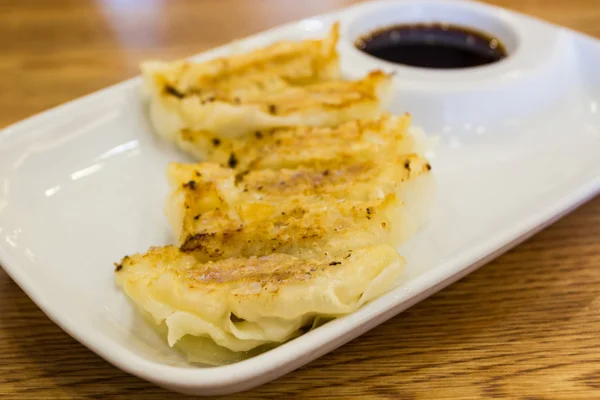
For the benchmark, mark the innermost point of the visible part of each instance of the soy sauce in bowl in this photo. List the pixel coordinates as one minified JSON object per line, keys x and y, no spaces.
{"x":440,"y":46}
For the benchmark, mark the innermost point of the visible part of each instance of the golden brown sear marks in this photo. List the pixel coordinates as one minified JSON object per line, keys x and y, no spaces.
{"x":262,"y":228}
{"x":240,"y":78}
{"x":272,"y":268}
{"x":348,"y":181}
{"x":223,"y":218}
{"x":333,"y":95}
{"x":305,"y":146}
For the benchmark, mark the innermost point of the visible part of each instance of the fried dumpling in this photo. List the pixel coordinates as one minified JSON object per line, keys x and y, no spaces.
{"x":243,"y":304}
{"x":303,"y":146}
{"x":219,"y":214}
{"x":317,"y":104}
{"x":282,"y":85}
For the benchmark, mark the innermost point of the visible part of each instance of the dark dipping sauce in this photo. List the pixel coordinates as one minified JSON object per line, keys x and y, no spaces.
{"x":440,"y":46}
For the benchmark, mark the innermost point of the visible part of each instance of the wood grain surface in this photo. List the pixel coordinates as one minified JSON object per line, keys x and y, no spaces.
{"x":526,"y":326}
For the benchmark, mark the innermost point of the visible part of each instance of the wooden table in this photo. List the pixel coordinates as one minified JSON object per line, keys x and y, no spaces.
{"x":525,"y":326}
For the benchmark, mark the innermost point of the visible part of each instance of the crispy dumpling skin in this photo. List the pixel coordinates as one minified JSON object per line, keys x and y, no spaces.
{"x":219,"y":214}
{"x":304,"y":146}
{"x":244,"y":303}
{"x":317,"y":104}
{"x":282,"y":85}
{"x":240,"y":77}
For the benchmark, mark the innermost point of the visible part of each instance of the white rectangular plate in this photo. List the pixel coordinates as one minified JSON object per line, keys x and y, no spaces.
{"x":83,"y":184}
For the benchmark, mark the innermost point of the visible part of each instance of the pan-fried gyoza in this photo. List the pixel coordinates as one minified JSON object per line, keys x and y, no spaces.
{"x":305,"y":190}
